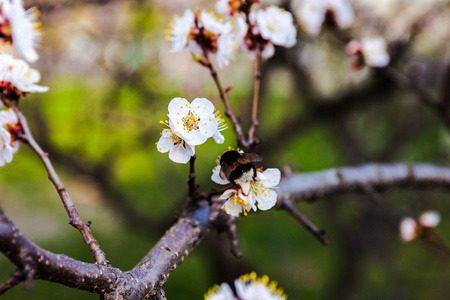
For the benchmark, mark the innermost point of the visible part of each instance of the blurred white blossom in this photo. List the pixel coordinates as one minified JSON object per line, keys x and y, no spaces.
{"x":6,"y":152}
{"x":179,"y":30}
{"x":312,"y":14}
{"x":429,"y":219}
{"x":276,"y":25}
{"x":15,"y":73}
{"x":408,"y":229}
{"x":374,"y":50}
{"x":24,"y":27}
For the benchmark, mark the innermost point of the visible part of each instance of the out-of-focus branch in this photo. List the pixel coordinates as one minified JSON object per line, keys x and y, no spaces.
{"x":10,"y":283}
{"x":318,"y":233}
{"x":72,"y":212}
{"x":310,"y":186}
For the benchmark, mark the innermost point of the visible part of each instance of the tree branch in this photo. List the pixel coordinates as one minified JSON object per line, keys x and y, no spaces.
{"x":315,"y":185}
{"x":318,"y":233}
{"x":72,"y":212}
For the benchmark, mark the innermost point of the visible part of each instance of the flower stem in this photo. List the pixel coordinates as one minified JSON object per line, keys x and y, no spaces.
{"x":72,"y":212}
{"x":224,"y":97}
{"x":257,"y":83}
{"x":192,"y":193}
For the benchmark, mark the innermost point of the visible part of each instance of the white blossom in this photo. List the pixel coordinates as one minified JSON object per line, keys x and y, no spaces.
{"x":19,"y":74}
{"x":223,"y":292}
{"x":25,"y":78}
{"x":179,"y":150}
{"x":25,"y":28}
{"x":262,"y":188}
{"x":6,"y":152}
{"x":276,"y":25}
{"x":236,"y":202}
{"x":179,"y":30}
{"x":248,"y":287}
{"x":429,"y":219}
{"x":408,"y":229}
{"x":193,"y":122}
{"x":374,"y":51}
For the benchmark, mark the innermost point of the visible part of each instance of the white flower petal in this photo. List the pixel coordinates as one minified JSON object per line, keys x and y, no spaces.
{"x":216,"y":177}
{"x":266,"y":199}
{"x":181,"y":154}
{"x":178,"y":107}
{"x":246,"y":187}
{"x":223,"y":293}
{"x":202,"y":107}
{"x":272,"y":177}
{"x":218,"y":137}
{"x":165,"y":142}
{"x":180,"y":29}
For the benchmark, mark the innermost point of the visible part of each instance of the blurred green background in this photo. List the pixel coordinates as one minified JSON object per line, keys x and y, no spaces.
{"x":111,"y":77}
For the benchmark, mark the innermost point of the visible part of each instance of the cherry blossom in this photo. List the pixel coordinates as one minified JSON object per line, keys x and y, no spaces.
{"x":179,"y":150}
{"x":193,"y":122}
{"x":248,"y":287}
{"x":236,"y":202}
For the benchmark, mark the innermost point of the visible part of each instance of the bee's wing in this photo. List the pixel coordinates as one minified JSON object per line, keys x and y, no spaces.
{"x":250,"y":157}
{"x":225,"y":171}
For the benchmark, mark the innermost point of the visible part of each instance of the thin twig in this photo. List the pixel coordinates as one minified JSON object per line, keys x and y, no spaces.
{"x":255,"y":123}
{"x":318,"y":233}
{"x":12,"y":282}
{"x":214,"y":191}
{"x":192,"y":192}
{"x":232,"y":237}
{"x":72,"y":212}
{"x":224,"y":97}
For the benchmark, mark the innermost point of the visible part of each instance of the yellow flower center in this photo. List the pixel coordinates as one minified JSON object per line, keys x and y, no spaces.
{"x":190,"y":122}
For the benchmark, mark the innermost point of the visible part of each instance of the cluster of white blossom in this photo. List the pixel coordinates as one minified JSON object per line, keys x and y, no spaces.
{"x":411,"y":229}
{"x":189,"y":125}
{"x":17,"y":78}
{"x":8,"y":144}
{"x":20,"y":27}
{"x":206,"y":32}
{"x":257,"y":192}
{"x":248,"y":287}
{"x":312,"y":14}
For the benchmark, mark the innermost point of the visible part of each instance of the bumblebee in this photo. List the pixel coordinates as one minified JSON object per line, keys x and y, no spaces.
{"x":238,"y":167}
